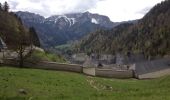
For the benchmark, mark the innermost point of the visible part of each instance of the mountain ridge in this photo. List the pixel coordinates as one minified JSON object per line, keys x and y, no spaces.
{"x":60,"y":29}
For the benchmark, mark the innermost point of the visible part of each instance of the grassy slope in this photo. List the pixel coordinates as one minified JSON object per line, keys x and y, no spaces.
{"x":42,"y":56}
{"x":55,"y":85}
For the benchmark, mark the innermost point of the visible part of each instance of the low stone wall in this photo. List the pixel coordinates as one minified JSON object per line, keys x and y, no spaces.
{"x":47,"y":65}
{"x":89,"y":71}
{"x":114,"y":73}
{"x":10,"y":62}
{"x":56,"y":66}
{"x":110,"y":73}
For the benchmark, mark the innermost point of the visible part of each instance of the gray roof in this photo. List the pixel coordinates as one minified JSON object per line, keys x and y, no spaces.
{"x":152,"y":66}
{"x":89,"y":63}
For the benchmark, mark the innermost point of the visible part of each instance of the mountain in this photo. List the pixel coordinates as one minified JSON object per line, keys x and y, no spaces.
{"x":150,"y":35}
{"x":60,"y":29}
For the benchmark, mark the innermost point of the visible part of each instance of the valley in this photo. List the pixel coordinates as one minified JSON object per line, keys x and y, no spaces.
{"x":81,"y":55}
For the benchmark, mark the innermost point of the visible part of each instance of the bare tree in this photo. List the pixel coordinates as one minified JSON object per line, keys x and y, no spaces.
{"x":21,"y":45}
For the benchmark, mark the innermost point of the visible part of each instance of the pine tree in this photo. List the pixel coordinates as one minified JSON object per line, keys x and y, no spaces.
{"x":6,"y":7}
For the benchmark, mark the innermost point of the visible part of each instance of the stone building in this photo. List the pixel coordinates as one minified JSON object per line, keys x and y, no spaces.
{"x":78,"y":58}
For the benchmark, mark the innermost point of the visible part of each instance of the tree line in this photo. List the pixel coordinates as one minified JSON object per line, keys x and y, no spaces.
{"x":15,"y":34}
{"x":4,"y":7}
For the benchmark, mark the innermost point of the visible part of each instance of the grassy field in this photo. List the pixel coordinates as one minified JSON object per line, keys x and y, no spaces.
{"x":57,"y":85}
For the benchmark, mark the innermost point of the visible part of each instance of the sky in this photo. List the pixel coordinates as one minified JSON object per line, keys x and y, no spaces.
{"x":116,"y":10}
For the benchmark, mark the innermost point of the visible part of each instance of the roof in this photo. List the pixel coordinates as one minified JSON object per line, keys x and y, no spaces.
{"x":89,"y":63}
{"x":152,"y":66}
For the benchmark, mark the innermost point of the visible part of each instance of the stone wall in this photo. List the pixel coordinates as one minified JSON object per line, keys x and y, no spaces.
{"x":149,"y":69}
{"x":110,"y":73}
{"x":56,"y":66}
{"x":47,"y":65}
{"x":89,"y":71}
{"x":10,"y":62}
{"x":114,"y":73}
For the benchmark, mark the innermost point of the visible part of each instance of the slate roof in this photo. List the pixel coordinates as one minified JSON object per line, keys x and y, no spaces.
{"x":89,"y":63}
{"x":152,"y":66}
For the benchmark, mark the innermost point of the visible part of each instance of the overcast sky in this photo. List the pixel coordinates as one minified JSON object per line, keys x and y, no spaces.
{"x":116,"y":10}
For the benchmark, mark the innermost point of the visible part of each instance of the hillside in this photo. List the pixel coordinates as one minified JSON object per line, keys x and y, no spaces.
{"x":38,"y":55}
{"x":11,"y":29}
{"x":101,"y":41}
{"x":150,"y":35}
{"x":18,"y":37}
{"x":60,"y":29}
{"x":54,"y":85}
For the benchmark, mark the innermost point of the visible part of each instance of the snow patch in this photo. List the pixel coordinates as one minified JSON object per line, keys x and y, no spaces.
{"x":93,"y":20}
{"x":71,"y":21}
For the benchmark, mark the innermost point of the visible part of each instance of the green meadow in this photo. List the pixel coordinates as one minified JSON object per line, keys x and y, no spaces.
{"x":36,"y":84}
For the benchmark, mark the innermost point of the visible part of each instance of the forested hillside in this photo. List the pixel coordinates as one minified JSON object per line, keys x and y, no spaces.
{"x":15,"y":35}
{"x":151,"y":35}
{"x":13,"y":32}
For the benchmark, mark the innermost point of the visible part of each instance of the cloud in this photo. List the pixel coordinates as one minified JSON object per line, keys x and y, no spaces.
{"x":144,"y":11}
{"x":13,"y":4}
{"x":123,"y":10}
{"x":51,"y":7}
{"x":117,"y":10}
{"x":36,"y":1}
